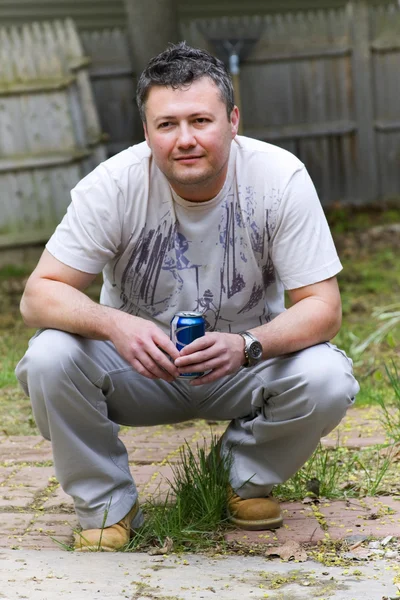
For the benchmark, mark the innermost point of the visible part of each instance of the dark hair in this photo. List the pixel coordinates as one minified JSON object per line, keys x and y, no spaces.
{"x":177,"y":67}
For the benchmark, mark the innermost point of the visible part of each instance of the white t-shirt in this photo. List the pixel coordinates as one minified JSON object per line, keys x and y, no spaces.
{"x":229,"y":258}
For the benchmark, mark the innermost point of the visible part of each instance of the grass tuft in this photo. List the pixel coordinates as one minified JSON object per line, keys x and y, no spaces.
{"x":192,"y":517}
{"x":390,"y":416}
{"x":342,"y":472}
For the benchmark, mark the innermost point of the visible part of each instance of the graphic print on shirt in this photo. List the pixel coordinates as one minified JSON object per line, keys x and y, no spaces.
{"x":155,"y":252}
{"x":164,"y":264}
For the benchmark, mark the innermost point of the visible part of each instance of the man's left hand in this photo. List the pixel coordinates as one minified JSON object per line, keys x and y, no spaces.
{"x":219,"y":353}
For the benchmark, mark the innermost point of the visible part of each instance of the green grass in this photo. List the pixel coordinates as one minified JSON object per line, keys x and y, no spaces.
{"x":390,"y":411}
{"x":370,"y":280}
{"x":13,"y":345}
{"x":9,"y":271}
{"x":342,"y":473}
{"x":352,"y":218}
{"x":193,"y":516}
{"x":16,"y":413}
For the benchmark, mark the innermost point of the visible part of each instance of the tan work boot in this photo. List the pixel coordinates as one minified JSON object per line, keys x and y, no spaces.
{"x":108,"y":539}
{"x":253,"y":513}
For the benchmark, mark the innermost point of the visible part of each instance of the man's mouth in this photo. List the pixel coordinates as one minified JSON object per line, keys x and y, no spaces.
{"x":188,"y":158}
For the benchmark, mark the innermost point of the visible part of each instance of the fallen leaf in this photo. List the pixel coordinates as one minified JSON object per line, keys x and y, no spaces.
{"x":166,"y":549}
{"x":392,"y":452}
{"x":357,"y":554}
{"x":309,"y":500}
{"x":290,"y":550}
{"x":349,"y":485}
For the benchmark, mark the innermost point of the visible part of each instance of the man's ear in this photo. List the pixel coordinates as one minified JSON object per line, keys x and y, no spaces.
{"x":146,"y":135}
{"x":235,"y":118}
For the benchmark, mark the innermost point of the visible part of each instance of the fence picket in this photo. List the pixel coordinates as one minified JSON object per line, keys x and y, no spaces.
{"x":112,"y":78}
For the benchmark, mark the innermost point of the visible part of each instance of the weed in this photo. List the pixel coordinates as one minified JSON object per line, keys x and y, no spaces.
{"x":339,"y":473}
{"x":325,"y":467}
{"x":193,"y":514}
{"x":390,"y":416}
{"x":390,"y":315}
{"x":374,"y":472}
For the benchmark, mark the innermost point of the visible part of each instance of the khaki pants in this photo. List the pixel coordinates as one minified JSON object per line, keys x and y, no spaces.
{"x":81,"y":390}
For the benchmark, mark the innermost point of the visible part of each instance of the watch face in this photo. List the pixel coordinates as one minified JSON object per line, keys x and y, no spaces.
{"x":255,"y":351}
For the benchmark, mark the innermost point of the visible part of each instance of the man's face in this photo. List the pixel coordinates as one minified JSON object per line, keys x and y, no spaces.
{"x":190,"y":137}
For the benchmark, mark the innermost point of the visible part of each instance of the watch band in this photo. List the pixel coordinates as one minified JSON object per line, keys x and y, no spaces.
{"x":246,"y":354}
{"x":248,"y":339}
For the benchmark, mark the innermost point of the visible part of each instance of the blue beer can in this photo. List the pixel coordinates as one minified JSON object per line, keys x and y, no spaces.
{"x":185,"y":328}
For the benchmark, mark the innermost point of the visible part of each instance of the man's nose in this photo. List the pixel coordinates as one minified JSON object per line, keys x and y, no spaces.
{"x":186,"y":138}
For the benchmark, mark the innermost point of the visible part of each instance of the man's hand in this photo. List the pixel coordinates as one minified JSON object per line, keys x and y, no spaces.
{"x":222,"y":353}
{"x":144,"y":346}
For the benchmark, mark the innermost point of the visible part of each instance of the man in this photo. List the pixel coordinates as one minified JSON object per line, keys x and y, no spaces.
{"x":195,"y":218}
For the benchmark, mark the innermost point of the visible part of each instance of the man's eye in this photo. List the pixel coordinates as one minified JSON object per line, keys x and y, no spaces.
{"x":164,"y":125}
{"x":201,"y":120}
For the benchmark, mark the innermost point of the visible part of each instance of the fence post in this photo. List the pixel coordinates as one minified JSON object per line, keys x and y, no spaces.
{"x":364,"y":102}
{"x":152,"y":24}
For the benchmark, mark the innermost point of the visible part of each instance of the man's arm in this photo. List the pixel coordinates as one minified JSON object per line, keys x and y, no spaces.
{"x":314,"y":317}
{"x":54,"y":298}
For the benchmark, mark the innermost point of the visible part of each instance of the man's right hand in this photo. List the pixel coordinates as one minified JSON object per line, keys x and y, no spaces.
{"x":144,"y":346}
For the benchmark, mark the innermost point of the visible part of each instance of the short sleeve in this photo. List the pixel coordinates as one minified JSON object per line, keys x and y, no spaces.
{"x":303,"y":251}
{"x":89,"y":235}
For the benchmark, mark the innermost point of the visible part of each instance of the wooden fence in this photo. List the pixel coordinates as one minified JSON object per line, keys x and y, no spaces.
{"x":50,"y":135}
{"x":324,"y":85}
{"x":86,"y":14}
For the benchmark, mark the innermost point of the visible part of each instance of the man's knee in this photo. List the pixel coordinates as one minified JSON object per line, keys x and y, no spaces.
{"x":330,"y":383}
{"x":48,"y":361}
{"x":47,"y":356}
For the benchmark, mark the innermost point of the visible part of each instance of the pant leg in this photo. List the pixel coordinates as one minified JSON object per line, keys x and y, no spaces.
{"x":80,"y":389}
{"x":280,"y":410}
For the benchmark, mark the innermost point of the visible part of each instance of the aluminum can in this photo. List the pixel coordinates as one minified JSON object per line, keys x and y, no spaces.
{"x":185,"y":328}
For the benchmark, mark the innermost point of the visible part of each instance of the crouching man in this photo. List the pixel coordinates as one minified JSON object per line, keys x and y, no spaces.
{"x":196,"y":218}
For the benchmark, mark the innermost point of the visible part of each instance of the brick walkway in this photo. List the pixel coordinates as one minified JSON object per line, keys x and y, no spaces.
{"x":34,"y":509}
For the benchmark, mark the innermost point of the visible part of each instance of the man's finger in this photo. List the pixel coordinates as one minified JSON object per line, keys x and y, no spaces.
{"x":194,"y":358}
{"x":164,"y":343}
{"x":139,"y":368}
{"x":206,"y":365}
{"x":148,"y":366}
{"x":164,"y":362}
{"x":200,"y":343}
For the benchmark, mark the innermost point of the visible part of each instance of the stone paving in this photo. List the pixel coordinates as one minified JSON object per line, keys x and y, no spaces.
{"x":35,"y":513}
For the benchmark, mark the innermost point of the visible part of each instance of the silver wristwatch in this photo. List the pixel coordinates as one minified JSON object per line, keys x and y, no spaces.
{"x":252,"y":349}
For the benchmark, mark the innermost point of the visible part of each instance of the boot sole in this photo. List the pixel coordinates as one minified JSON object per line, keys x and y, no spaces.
{"x":96,"y":548}
{"x":259,"y":525}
